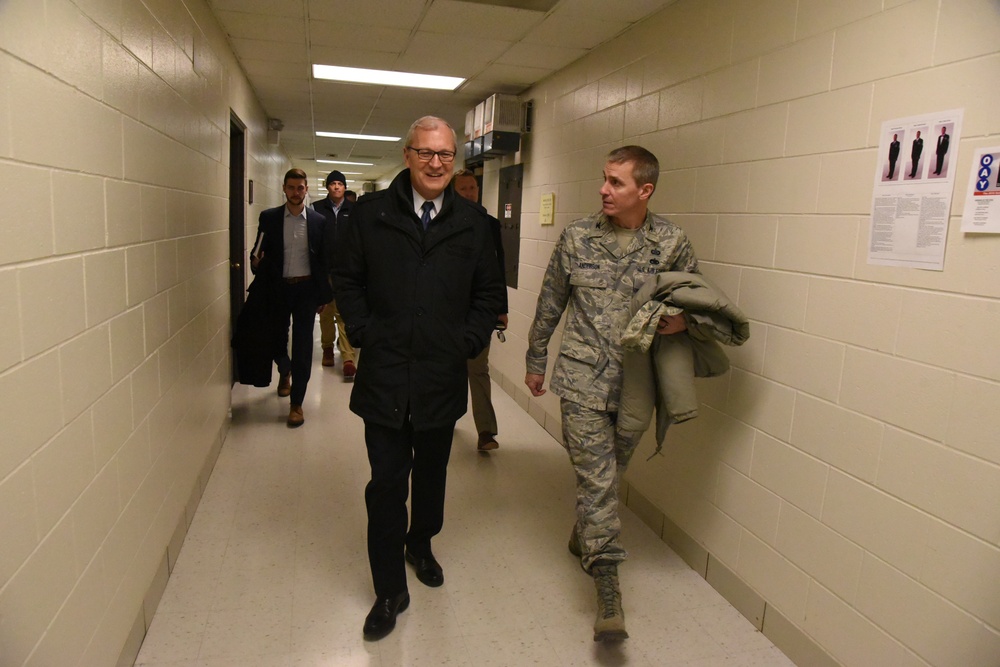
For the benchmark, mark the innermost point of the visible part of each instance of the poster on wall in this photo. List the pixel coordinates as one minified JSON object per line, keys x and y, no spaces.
{"x":982,"y":201}
{"x":914,"y":181}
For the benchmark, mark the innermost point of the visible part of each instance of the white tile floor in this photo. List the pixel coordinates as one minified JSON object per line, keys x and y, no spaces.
{"x":274,"y":572}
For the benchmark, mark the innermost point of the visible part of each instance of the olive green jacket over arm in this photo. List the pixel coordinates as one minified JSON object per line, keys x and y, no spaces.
{"x":659,"y":370}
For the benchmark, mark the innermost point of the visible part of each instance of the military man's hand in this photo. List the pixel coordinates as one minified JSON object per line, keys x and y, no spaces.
{"x":671,"y":324}
{"x":534,"y":382}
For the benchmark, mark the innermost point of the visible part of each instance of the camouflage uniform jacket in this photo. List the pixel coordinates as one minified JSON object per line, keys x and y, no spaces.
{"x":592,"y":279}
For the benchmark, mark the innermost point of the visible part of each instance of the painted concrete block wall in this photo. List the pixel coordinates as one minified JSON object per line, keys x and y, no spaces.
{"x":114,"y":354}
{"x":848,"y":468}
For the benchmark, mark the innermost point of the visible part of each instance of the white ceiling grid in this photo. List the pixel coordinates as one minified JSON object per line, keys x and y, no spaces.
{"x":496,"y":45}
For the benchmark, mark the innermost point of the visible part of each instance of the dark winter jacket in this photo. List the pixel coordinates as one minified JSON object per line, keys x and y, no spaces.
{"x":334,"y":222}
{"x":418,"y":304}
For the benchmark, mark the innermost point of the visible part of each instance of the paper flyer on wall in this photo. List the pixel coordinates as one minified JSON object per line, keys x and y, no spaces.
{"x":914,"y":181}
{"x":982,"y":201}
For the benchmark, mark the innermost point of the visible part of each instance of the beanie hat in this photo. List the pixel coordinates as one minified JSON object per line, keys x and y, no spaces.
{"x":335,"y":176}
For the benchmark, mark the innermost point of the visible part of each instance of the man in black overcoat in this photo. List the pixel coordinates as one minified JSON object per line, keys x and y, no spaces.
{"x":417,"y":281}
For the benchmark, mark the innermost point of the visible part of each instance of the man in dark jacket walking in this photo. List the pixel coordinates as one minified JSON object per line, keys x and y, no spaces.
{"x":288,"y":252}
{"x":337,"y":209}
{"x":417,"y":281}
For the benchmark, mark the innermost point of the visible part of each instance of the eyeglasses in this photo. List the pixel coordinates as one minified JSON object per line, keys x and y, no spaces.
{"x":426,"y":154}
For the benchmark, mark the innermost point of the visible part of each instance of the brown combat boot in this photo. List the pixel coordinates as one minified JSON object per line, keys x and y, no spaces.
{"x":328,"y":356}
{"x":610,"y":623}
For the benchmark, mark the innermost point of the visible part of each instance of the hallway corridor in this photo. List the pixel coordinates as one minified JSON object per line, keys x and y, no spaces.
{"x":273,"y":572}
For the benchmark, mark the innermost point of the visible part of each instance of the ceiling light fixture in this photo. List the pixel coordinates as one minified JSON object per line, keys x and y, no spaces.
{"x":356,"y":164}
{"x":369,"y":137}
{"x":386,"y":78}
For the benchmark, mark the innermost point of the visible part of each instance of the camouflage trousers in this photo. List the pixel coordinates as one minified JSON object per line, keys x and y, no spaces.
{"x":599,"y":454}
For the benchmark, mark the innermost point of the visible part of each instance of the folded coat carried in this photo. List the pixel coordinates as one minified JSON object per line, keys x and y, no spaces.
{"x":659,"y":371}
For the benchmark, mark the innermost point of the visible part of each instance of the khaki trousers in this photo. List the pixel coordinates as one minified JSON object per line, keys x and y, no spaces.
{"x":331,"y":326}
{"x":479,"y":386}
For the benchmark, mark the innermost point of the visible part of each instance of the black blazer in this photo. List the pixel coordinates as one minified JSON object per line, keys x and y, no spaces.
{"x":271,"y":241}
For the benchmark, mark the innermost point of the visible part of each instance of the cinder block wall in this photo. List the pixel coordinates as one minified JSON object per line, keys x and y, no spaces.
{"x":114,"y":290}
{"x":842,"y":484}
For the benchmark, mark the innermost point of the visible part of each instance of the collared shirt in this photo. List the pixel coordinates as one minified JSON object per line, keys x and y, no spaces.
{"x":296,"y":234}
{"x":418,"y":203}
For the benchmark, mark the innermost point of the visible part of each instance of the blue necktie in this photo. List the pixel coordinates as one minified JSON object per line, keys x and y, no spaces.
{"x":427,"y":207}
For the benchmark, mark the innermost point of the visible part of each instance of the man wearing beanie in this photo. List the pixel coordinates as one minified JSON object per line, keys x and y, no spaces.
{"x":337,"y":209}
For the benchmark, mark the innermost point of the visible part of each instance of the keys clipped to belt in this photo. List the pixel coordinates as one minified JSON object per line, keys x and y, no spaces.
{"x":500,"y":326}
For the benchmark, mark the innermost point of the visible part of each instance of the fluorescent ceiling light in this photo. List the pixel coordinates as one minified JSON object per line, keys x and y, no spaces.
{"x":386,"y":78}
{"x":369,"y":137}
{"x":357,"y":164}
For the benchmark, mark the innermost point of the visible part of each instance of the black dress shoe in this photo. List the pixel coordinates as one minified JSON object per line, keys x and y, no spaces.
{"x":429,"y":572}
{"x":382,"y":618}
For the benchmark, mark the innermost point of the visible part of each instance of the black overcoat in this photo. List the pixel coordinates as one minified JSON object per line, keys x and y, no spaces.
{"x":418,"y":304}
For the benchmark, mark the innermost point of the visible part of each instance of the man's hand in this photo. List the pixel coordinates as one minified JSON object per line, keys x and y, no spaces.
{"x":502,"y":319}
{"x":255,"y":261}
{"x":534,"y":382}
{"x":671,"y":324}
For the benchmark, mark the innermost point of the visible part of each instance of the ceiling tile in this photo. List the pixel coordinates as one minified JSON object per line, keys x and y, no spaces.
{"x":517,"y":76}
{"x":289,"y":8}
{"x":261,"y":26}
{"x":473,"y":20}
{"x":345,"y":95}
{"x":276,"y":69}
{"x":368,"y":13}
{"x":536,"y":5}
{"x":573,"y":30}
{"x":436,"y":54}
{"x":540,"y":55}
{"x":261,"y":50}
{"x":345,"y":57}
{"x":628,"y":11}
{"x":296,"y":90}
{"x":329,"y":33}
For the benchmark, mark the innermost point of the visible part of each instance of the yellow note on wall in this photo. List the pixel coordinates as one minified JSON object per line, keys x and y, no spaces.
{"x":547,"y":210}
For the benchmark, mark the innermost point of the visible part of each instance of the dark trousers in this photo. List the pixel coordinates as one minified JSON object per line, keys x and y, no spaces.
{"x":394,"y":454}
{"x":299,"y":302}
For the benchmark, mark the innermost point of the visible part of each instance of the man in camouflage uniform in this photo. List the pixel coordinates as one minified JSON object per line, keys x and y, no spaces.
{"x":596,"y":267}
